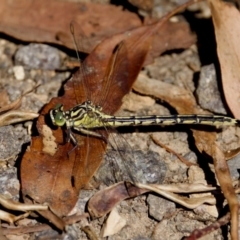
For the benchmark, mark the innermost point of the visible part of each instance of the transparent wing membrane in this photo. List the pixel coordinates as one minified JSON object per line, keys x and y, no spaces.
{"x":93,"y":118}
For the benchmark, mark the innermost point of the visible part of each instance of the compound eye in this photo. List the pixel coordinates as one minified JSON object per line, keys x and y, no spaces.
{"x":59,"y":119}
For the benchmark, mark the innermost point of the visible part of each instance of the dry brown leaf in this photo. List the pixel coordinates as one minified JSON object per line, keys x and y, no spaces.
{"x":146,"y":5}
{"x":226,"y":20}
{"x":43,"y":21}
{"x":232,"y":153}
{"x":105,"y":200}
{"x":49,"y":21}
{"x":224,"y":178}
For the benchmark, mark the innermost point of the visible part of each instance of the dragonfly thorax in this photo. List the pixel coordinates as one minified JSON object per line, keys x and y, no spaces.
{"x":85,"y":115}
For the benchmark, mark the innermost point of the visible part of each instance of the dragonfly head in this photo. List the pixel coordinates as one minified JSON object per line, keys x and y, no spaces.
{"x":57,"y":115}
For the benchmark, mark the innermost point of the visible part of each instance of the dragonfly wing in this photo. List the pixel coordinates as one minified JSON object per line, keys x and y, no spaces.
{"x":128,"y":164}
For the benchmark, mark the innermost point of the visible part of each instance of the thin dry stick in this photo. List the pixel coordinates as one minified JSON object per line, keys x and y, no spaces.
{"x":182,"y":159}
{"x":39,"y":228}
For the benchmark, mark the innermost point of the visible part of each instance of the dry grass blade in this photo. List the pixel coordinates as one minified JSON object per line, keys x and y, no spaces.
{"x":6,"y":230}
{"x":190,"y":203}
{"x":10,"y":218}
{"x":9,"y":114}
{"x":16,"y":116}
{"x":10,"y":204}
{"x":17,"y":103}
{"x":14,"y":105}
{"x":13,"y":205}
{"x":179,"y":188}
{"x":224,"y":178}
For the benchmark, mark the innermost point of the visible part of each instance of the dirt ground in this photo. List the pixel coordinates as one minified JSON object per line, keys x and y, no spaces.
{"x":148,"y":216}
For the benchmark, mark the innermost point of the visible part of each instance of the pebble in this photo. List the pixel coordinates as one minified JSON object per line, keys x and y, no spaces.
{"x":159,"y":207}
{"x":38,"y":56}
{"x":11,"y":141}
{"x":207,"y":91}
{"x":9,"y":183}
{"x":234,"y":166}
{"x":19,"y":72}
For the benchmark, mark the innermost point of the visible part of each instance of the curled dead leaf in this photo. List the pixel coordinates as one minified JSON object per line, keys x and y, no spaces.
{"x":105,"y":200}
{"x":16,"y":116}
{"x":226,"y":18}
{"x":224,"y":178}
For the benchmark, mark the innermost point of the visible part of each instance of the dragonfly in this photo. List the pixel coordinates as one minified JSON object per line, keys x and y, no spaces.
{"x":89,"y":116}
{"x":86,"y":116}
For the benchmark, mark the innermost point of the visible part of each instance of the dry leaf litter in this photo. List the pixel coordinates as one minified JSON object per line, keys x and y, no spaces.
{"x":148,"y":216}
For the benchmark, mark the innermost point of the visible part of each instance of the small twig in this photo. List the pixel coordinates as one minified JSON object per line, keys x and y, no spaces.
{"x":182,"y":159}
{"x":9,"y":230}
{"x":198,"y":233}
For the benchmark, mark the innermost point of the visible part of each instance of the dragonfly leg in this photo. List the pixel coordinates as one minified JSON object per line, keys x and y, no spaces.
{"x":68,"y":138}
{"x":71,"y":137}
{"x":88,"y":132}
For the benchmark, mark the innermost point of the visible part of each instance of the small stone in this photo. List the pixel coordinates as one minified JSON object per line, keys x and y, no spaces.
{"x":234,"y":166}
{"x":207,"y":91}
{"x":166,"y":230}
{"x":9,"y":183}
{"x":19,"y":72}
{"x":196,"y":175}
{"x":159,"y":207}
{"x":11,"y":142}
{"x":38,"y":56}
